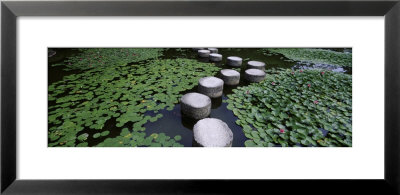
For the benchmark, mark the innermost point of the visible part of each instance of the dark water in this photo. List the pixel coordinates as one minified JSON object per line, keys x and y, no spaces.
{"x":56,"y":56}
{"x":173,"y":123}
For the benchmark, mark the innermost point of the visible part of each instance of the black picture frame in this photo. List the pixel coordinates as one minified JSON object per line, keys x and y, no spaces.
{"x":10,"y":10}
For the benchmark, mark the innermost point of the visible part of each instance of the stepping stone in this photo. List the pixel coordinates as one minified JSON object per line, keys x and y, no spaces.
{"x":254,"y":75}
{"x":230,"y":77}
{"x":212,"y":132}
{"x":211,"y":86}
{"x":203,"y":53}
{"x":214,"y":57}
{"x":213,"y":50}
{"x":256,"y":65}
{"x":196,"y":105}
{"x":234,"y":61}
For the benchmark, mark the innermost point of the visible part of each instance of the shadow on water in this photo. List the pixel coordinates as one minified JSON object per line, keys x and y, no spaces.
{"x":57,"y":56}
{"x":173,"y":122}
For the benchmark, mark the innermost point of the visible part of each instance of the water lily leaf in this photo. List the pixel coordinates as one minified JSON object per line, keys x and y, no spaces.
{"x":96,"y":135}
{"x":105,"y":133}
{"x":83,"y":137}
{"x":177,"y":138}
{"x":250,"y":143}
{"x":290,"y":113}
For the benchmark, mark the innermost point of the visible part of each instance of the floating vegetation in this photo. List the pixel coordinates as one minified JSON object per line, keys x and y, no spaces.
{"x":296,"y":108}
{"x":100,"y":57}
{"x":130,"y":95}
{"x":132,"y":139}
{"x":316,"y":56}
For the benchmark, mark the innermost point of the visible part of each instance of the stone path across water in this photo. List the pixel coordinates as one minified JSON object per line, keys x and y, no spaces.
{"x":211,"y":132}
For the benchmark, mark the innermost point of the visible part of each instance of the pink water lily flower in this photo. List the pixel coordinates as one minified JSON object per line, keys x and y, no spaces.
{"x":247,"y":92}
{"x":322,"y":73}
{"x":309,"y":85}
{"x":315,"y":102}
{"x":301,"y":70}
{"x":273,"y":83}
{"x":282,"y":130}
{"x":292,"y":73}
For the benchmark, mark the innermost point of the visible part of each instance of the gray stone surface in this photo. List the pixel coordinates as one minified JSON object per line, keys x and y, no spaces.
{"x":256,"y":65}
{"x":196,"y":105}
{"x":203,"y":53}
{"x":214,"y":57}
{"x":213,"y":50}
{"x":230,"y":77}
{"x":211,"y":86}
{"x":254,"y":75}
{"x":212,"y":132}
{"x":234,"y":61}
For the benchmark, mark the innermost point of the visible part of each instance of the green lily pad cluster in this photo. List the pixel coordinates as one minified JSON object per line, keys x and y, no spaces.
{"x":85,"y":104}
{"x":99,"y":57}
{"x":317,"y":56}
{"x":129,"y":138}
{"x":296,"y":108}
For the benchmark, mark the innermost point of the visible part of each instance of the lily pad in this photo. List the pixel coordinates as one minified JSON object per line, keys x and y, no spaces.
{"x":88,"y":100}
{"x":291,"y":112}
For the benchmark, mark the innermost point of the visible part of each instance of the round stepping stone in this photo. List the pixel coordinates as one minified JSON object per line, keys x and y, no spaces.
{"x":211,"y":86}
{"x":256,"y":65}
{"x":203,"y":53}
{"x":234,"y":61}
{"x":214,"y":57}
{"x":212,"y":132}
{"x":254,"y":75}
{"x":230,"y":77}
{"x":196,"y":105}
{"x":213,"y":50}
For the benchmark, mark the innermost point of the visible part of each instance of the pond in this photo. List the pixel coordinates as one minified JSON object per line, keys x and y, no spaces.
{"x":166,"y":124}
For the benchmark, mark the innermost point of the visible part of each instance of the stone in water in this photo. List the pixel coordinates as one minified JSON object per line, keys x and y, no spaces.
{"x":196,"y":105}
{"x":256,"y":65}
{"x":212,"y":132}
{"x":211,"y":86}
{"x":234,"y":61}
{"x":214,"y":57}
{"x":254,"y":75}
{"x":203,"y":53}
{"x":230,"y":77}
{"x":213,"y":50}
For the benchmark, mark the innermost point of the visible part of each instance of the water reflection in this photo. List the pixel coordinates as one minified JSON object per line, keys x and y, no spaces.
{"x":205,"y":60}
{"x":216,"y":102}
{"x":228,"y":89}
{"x":334,"y":68}
{"x":188,"y":122}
